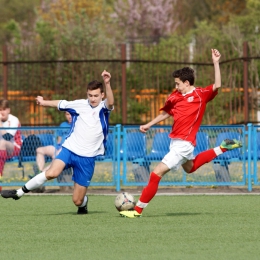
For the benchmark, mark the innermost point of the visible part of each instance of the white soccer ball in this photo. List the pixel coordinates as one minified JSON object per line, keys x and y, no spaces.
{"x":124,"y":201}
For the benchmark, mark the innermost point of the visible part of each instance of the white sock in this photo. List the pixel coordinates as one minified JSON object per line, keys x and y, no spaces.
{"x":84,"y":202}
{"x":217,"y":150}
{"x":36,"y":181}
{"x":20,"y":192}
{"x":141,"y":204}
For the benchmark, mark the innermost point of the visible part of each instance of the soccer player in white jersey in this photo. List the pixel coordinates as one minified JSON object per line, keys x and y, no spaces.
{"x":186,"y":105}
{"x":86,"y":140}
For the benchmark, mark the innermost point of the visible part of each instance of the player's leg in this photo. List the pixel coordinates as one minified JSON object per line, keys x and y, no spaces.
{"x":179,"y":152}
{"x":80,"y":199}
{"x":3,"y":158}
{"x":36,"y":182}
{"x":207,"y":156}
{"x":6,"y":149}
{"x":83,"y":170}
{"x":148,"y":192}
{"x":152,"y":187}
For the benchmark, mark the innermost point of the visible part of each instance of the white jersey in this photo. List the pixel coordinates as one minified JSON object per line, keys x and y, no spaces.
{"x":89,"y":127}
{"x":13,"y":122}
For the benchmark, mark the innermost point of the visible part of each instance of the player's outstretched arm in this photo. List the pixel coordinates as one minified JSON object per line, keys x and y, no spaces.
{"x":159,"y":118}
{"x":215,"y":58}
{"x":46,"y":103}
{"x":109,"y":93}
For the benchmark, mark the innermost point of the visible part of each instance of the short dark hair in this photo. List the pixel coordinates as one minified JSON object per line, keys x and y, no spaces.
{"x":184,"y":74}
{"x":4,"y":104}
{"x":95,"y":85}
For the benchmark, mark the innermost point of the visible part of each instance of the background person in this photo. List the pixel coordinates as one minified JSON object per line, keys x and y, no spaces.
{"x":10,"y":139}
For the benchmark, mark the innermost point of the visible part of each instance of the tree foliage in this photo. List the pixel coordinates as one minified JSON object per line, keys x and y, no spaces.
{"x":180,"y":30}
{"x":218,"y":12}
{"x":63,"y":11}
{"x":16,"y":13}
{"x":71,"y":22}
{"x":146,"y":18}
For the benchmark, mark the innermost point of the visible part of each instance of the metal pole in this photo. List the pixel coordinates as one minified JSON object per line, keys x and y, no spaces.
{"x":124,"y":99}
{"x":249,"y":176}
{"x":118,"y":139}
{"x":5,"y":75}
{"x":245,"y":82}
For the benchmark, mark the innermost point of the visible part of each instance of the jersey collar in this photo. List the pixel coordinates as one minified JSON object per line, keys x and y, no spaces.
{"x":188,"y":92}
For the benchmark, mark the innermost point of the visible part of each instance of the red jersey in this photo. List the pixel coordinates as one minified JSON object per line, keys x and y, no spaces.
{"x":187,"y":112}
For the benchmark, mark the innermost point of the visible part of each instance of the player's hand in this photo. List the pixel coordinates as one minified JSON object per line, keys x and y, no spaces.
{"x":215,"y":55}
{"x":39,"y":100}
{"x":106,"y":76}
{"x":144,"y":128}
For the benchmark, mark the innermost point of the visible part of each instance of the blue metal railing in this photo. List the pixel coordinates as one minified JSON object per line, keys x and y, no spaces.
{"x":104,"y":176}
{"x":131,"y":156}
{"x":203,"y":176}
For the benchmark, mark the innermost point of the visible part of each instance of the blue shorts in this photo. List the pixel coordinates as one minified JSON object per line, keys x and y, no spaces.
{"x":83,"y":167}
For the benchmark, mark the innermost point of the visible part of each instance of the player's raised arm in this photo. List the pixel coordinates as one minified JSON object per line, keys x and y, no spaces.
{"x":109,"y":93}
{"x":159,"y":118}
{"x":215,"y":58}
{"x":46,"y":103}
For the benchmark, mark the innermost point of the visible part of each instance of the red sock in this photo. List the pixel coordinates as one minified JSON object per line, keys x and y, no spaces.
{"x":3,"y":157}
{"x":223,"y":149}
{"x":203,"y":158}
{"x":149,"y":191}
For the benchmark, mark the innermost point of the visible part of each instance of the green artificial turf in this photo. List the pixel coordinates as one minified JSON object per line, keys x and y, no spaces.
{"x":172,"y":227}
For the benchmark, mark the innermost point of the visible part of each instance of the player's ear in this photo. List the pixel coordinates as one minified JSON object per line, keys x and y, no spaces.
{"x":186,"y":82}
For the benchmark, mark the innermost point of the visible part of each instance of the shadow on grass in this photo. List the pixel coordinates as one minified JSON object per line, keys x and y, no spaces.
{"x":75,"y":213}
{"x":175,"y":214}
{"x":180,"y":214}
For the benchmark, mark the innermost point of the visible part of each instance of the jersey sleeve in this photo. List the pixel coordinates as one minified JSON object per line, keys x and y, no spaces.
{"x":106,"y":110}
{"x":209,"y":93}
{"x":106,"y":106}
{"x":70,"y":106}
{"x":168,"y":106}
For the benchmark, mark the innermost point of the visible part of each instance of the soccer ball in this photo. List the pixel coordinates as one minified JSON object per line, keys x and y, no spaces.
{"x":124,"y":201}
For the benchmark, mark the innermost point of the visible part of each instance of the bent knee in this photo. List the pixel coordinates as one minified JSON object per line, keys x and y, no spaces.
{"x":51,"y":174}
{"x":188,"y":167}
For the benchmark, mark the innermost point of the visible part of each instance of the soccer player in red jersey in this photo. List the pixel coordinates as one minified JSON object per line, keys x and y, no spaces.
{"x":186,"y":105}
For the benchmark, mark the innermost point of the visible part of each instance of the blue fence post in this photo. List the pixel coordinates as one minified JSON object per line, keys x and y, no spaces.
{"x":249,"y":180}
{"x":118,"y":134}
{"x":124,"y":147}
{"x":255,"y":148}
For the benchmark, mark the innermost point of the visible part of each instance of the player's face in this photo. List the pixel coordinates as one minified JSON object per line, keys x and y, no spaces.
{"x":182,"y":87}
{"x":95,"y":97}
{"x":4,"y":114}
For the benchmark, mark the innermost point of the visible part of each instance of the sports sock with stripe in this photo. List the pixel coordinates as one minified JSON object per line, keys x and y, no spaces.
{"x":206,"y":157}
{"x":36,"y":182}
{"x":148,"y":192}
